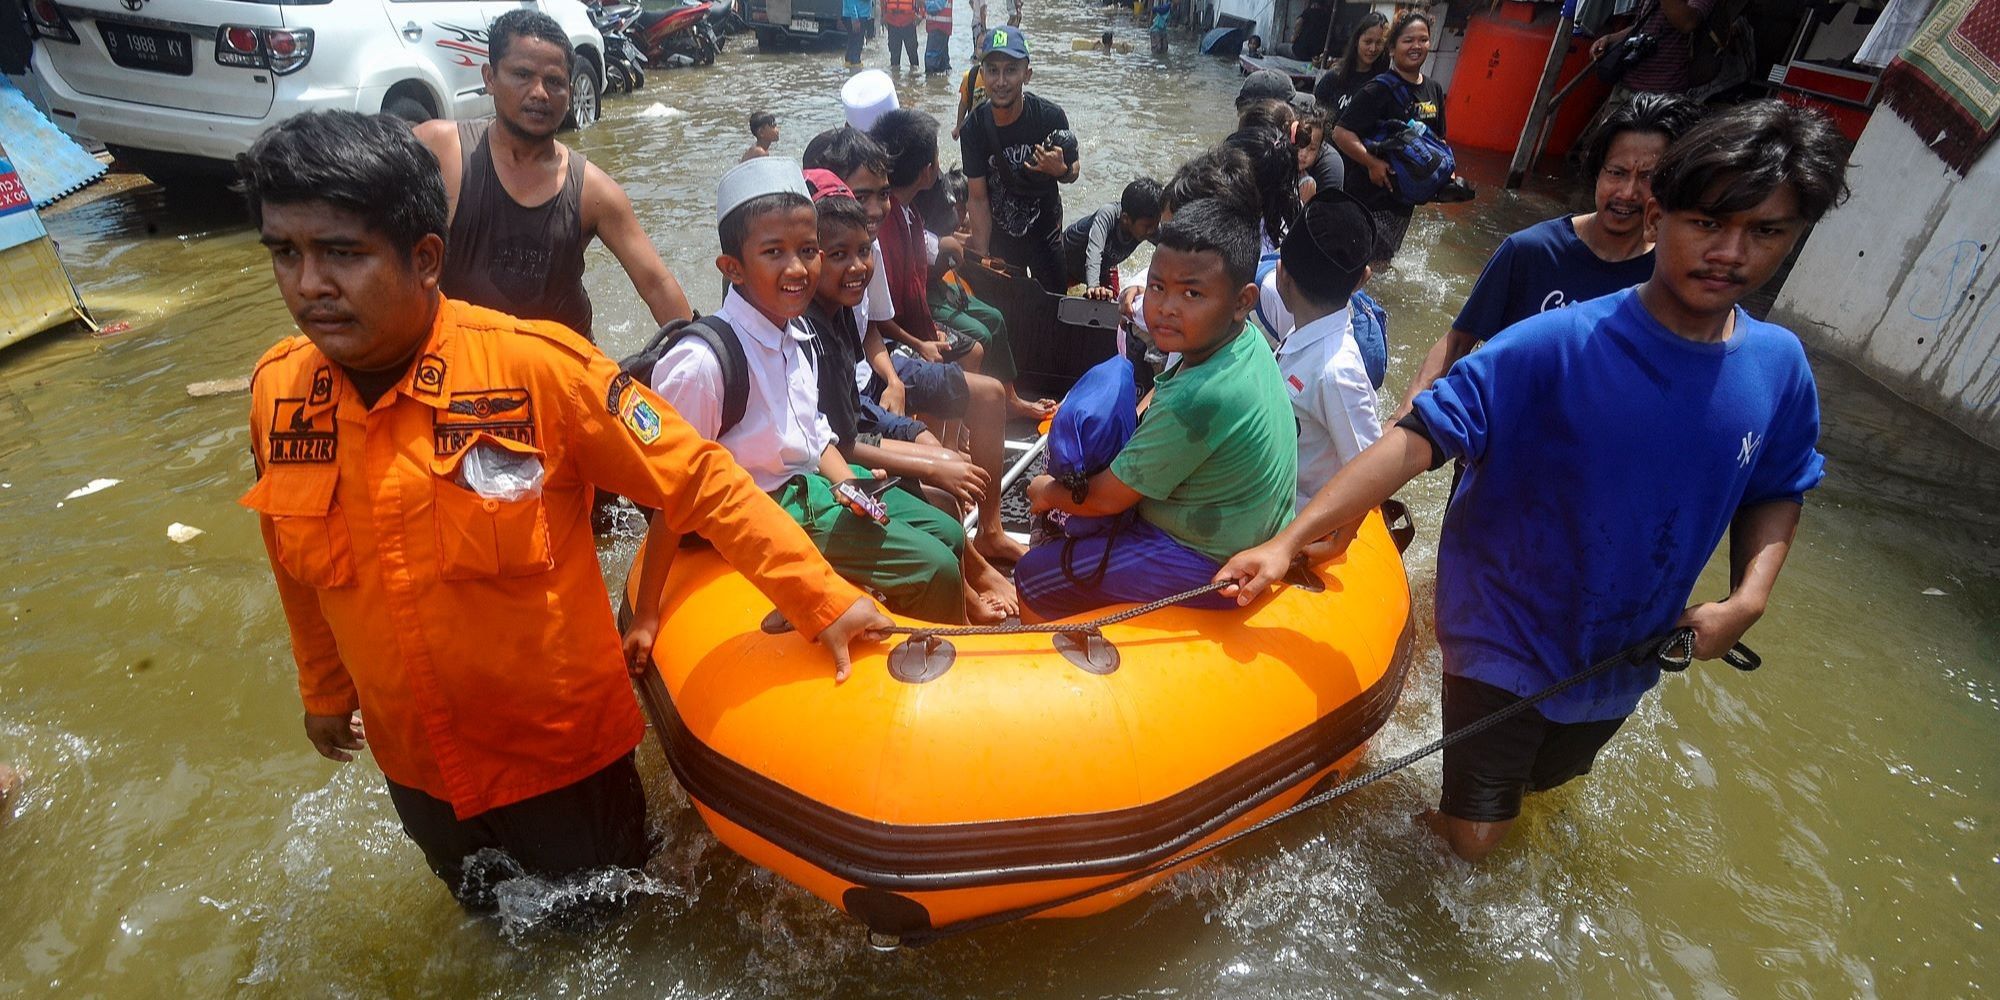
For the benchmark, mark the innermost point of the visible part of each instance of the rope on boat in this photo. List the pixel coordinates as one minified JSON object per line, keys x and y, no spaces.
{"x":1674,"y":652}
{"x":1091,"y":625}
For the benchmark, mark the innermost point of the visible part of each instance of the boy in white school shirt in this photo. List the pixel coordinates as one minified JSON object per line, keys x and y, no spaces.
{"x":1323,"y":260}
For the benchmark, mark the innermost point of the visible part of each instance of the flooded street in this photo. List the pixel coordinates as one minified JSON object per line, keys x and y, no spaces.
{"x":1827,"y":826}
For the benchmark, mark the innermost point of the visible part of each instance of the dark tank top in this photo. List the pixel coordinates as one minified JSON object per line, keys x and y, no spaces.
{"x":526,"y":262}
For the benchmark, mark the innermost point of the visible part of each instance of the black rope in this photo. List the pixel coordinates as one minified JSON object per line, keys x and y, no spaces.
{"x":1675,"y":651}
{"x":1092,"y":625}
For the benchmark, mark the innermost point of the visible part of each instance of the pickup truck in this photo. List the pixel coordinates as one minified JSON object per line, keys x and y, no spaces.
{"x":781,"y":24}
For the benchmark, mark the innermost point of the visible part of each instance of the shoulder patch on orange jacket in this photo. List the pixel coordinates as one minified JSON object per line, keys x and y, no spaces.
{"x":278,"y":352}
{"x":569,"y":340}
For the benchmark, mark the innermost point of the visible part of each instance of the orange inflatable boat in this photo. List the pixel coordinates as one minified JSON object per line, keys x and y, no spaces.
{"x":1001,"y":773}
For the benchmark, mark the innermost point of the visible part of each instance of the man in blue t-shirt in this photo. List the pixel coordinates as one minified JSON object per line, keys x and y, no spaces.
{"x":1571,"y":259}
{"x":1608,"y":447}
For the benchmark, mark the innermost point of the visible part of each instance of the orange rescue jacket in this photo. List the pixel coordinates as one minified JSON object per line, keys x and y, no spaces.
{"x":475,"y":635}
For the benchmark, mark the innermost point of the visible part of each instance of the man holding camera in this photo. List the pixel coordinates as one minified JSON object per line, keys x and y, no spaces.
{"x":1017,"y":148}
{"x":1657,"y":49}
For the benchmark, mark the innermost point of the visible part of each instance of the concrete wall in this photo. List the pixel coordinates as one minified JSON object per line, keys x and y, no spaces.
{"x":1900,"y":281}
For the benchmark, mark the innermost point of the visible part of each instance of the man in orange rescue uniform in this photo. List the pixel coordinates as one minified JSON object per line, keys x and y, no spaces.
{"x":424,"y":475}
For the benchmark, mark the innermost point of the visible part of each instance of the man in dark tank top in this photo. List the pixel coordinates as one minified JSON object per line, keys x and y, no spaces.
{"x":524,"y":206}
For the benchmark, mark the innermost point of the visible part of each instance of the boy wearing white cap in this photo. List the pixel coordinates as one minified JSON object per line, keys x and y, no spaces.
{"x":770,"y":254}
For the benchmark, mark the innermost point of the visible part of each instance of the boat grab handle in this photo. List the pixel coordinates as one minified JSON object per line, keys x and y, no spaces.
{"x":924,"y":656}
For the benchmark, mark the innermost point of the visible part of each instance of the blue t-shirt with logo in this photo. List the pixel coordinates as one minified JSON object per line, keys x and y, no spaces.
{"x":1543,"y":267}
{"x":1605,"y":458}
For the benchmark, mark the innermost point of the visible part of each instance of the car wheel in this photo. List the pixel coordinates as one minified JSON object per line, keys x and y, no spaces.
{"x":407,"y":108}
{"x":770,"y":40}
{"x":583,"y":95}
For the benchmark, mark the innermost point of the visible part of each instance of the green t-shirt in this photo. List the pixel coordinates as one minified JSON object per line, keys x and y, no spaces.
{"x":1216,"y":455}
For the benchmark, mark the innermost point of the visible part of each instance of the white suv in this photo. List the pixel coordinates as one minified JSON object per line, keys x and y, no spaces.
{"x":178,"y":88}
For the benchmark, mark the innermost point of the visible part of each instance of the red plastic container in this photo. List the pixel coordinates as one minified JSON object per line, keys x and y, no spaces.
{"x":1498,"y":71}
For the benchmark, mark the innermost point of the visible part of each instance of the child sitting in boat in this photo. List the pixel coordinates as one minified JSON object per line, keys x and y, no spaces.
{"x":769,"y":238}
{"x":835,"y":319}
{"x":953,"y":305}
{"x":1215,"y":458}
{"x":1096,"y":244}
{"x":918,"y":380}
{"x":1323,"y":262}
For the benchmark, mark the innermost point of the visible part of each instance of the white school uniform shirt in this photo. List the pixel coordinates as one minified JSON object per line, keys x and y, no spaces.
{"x":1271,"y":311}
{"x":876,"y":306}
{"x":1331,"y":397}
{"x":782,"y":433}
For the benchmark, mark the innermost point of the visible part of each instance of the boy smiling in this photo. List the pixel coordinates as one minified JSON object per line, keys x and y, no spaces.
{"x":769,"y":236}
{"x":835,"y":320}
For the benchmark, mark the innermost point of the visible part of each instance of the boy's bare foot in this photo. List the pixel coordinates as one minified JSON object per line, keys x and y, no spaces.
{"x":1036,"y":410}
{"x":10,"y":782}
{"x":998,"y":547}
{"x":982,"y":609}
{"x":996,"y":587}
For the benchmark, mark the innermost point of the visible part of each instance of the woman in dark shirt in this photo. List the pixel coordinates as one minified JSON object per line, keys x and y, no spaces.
{"x":1366,"y":57}
{"x":1367,"y":175}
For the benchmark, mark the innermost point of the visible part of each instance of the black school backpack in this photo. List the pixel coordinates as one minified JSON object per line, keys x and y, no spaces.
{"x":721,"y":340}
{"x":1420,"y":163}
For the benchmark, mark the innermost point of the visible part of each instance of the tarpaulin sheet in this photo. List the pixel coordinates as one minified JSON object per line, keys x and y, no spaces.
{"x":50,"y":163}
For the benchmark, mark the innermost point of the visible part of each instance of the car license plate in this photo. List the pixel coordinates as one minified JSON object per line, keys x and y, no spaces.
{"x":806,"y":26}
{"x":148,"y":49}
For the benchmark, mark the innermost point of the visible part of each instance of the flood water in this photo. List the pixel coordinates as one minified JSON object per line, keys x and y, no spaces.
{"x":1828,"y":826}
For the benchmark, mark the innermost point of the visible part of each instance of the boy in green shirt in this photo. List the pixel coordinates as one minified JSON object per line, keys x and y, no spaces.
{"x":1215,"y":458}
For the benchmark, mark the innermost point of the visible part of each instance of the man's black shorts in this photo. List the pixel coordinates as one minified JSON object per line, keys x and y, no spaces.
{"x":1485,"y":776}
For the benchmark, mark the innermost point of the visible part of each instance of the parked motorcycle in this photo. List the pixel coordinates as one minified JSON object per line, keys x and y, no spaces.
{"x":676,"y":37}
{"x":726,"y":20}
{"x":624,"y":64}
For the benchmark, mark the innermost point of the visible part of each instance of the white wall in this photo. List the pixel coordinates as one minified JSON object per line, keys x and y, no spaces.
{"x":1255,"y":10}
{"x":1900,"y":281}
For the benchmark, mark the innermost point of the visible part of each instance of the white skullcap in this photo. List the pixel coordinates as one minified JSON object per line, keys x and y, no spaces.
{"x":756,"y":178}
{"x":867,"y":96}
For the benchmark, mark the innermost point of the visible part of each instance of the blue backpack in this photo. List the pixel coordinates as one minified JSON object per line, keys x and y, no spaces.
{"x":1091,"y":427}
{"x":1371,"y":332}
{"x":1419,"y":161}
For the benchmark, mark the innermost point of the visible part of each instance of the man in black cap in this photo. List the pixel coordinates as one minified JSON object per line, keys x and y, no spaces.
{"x":1017,"y":148}
{"x":1264,"y":85}
{"x":1323,"y":260}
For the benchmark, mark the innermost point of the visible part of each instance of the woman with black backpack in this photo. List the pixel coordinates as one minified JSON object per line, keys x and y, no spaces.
{"x":1384,"y":108}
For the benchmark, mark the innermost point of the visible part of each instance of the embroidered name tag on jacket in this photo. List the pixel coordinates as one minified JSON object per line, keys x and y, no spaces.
{"x":295,"y":440}
{"x":503,"y":413}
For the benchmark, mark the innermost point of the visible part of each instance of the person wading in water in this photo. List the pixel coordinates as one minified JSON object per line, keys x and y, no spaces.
{"x":524,"y":206}
{"x":1608,"y":449}
{"x":463,"y":613}
{"x":1013,"y":167}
